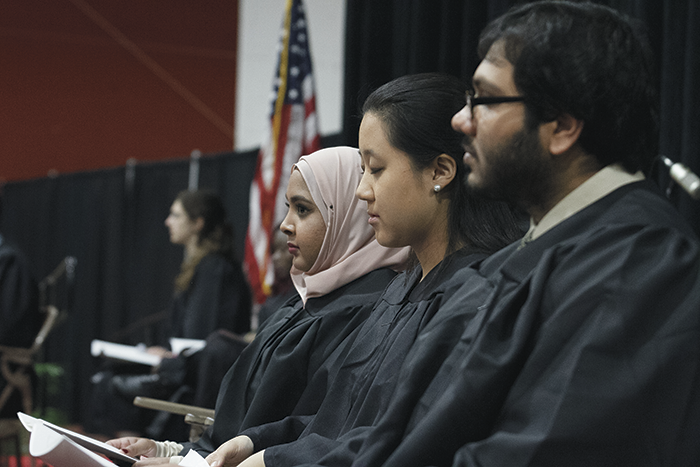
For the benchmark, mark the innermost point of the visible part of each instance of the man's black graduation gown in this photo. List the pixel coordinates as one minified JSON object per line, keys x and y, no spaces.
{"x":362,"y":375}
{"x":588,"y":355}
{"x":265,"y":383}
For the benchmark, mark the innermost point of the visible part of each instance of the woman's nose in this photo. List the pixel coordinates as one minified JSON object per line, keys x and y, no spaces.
{"x":362,"y":191}
{"x":286,"y":227}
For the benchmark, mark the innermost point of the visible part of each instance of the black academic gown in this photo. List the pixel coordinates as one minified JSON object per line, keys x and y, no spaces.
{"x":362,"y":377}
{"x":269,"y":377}
{"x":218,"y":298}
{"x":589,"y":354}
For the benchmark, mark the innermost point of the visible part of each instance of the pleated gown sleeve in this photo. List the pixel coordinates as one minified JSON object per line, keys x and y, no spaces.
{"x":362,"y":382}
{"x":267,"y":380}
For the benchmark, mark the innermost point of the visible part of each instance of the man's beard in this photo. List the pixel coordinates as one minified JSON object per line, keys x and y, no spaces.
{"x":518,"y":171}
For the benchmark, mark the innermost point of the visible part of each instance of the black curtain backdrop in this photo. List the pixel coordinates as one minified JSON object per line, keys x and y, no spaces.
{"x":386,"y":39}
{"x":111,"y":221}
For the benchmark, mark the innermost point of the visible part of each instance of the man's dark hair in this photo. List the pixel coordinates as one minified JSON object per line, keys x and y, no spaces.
{"x":588,"y":61}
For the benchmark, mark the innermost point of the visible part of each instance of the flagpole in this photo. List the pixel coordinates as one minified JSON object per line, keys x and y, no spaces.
{"x":292,"y":132}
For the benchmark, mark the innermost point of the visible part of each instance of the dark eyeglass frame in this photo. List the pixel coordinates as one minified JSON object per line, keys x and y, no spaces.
{"x":474,"y":101}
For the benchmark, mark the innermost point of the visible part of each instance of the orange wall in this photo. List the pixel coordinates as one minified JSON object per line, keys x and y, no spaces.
{"x":88,"y":84}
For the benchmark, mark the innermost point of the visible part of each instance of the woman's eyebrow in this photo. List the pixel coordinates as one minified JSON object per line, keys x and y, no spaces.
{"x":297,"y":198}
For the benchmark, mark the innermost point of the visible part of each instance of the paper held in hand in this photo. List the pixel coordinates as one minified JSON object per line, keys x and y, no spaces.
{"x":60,"y":447}
{"x":138,"y":353}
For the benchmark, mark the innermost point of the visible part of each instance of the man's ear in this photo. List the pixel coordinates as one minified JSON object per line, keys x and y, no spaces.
{"x":561,"y":134}
{"x":444,"y":170}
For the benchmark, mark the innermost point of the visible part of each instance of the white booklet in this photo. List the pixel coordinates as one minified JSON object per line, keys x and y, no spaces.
{"x":180,"y":344}
{"x":60,"y":447}
{"x":129,"y":353}
{"x":138,"y":353}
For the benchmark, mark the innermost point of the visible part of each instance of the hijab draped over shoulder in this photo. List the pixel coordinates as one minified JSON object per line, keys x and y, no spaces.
{"x":349,"y":248}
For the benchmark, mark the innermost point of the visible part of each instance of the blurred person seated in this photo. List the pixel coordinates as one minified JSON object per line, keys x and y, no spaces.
{"x":20,"y":319}
{"x":204,"y":369}
{"x":339,"y":271}
{"x":212,"y":299}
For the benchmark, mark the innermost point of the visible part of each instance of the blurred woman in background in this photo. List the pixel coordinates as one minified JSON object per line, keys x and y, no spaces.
{"x":211,"y":297}
{"x":339,"y":271}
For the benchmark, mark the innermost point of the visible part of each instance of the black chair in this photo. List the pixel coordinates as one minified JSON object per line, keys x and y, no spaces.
{"x":199,"y":418}
{"x":17,"y":363}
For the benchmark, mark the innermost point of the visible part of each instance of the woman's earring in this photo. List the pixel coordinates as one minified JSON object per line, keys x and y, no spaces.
{"x":437,"y":188}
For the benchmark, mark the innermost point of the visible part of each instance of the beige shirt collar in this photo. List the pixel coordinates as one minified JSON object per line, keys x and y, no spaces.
{"x":605,"y":181}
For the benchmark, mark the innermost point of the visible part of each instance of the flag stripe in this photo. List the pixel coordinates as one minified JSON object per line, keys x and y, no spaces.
{"x":292,"y":130}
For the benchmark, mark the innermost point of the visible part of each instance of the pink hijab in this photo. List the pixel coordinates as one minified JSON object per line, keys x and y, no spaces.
{"x":349,"y":249}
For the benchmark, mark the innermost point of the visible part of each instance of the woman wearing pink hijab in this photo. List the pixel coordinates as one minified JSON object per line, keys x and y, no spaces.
{"x":339,"y":271}
{"x":412,"y":183}
{"x":348,"y":249}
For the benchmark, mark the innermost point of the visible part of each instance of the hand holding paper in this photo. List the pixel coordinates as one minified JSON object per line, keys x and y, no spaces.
{"x":64,"y":448}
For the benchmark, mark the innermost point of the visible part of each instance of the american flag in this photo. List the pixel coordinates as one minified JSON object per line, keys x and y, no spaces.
{"x":292,"y":132}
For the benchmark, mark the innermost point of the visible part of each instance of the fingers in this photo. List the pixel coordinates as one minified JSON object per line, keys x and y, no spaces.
{"x":160,"y":351}
{"x":256,"y":460}
{"x":121,"y":443}
{"x":138,"y":447}
{"x":231,"y":453}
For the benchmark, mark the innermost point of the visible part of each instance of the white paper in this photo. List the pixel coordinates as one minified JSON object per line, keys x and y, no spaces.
{"x":59,"y":451}
{"x":193,"y":459}
{"x":178,"y":344}
{"x":129,"y":353}
{"x":43,"y":442}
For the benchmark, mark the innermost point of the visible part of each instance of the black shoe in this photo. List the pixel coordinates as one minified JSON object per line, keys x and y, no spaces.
{"x":141,"y":385}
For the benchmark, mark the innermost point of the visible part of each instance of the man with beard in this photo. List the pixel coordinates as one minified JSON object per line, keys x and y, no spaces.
{"x":589,"y":351}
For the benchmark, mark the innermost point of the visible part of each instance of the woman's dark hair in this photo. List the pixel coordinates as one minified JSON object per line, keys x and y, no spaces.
{"x":416,"y":112}
{"x":588,"y":61}
{"x":216,"y":235}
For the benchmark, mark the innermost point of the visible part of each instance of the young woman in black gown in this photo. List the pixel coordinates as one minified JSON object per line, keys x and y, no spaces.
{"x":412,"y":162}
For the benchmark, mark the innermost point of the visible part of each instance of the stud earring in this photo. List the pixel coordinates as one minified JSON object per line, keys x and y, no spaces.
{"x":437,"y":188}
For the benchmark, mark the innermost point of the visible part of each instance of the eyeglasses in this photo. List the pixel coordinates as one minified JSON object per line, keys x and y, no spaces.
{"x":474,"y":101}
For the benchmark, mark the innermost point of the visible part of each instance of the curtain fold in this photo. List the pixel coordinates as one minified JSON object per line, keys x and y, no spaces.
{"x":389,"y":38}
{"x":112,"y":220}
{"x":125,"y":261}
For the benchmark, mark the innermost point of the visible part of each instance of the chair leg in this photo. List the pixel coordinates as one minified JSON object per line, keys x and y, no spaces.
{"x":18,"y":451}
{"x":5,"y":457}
